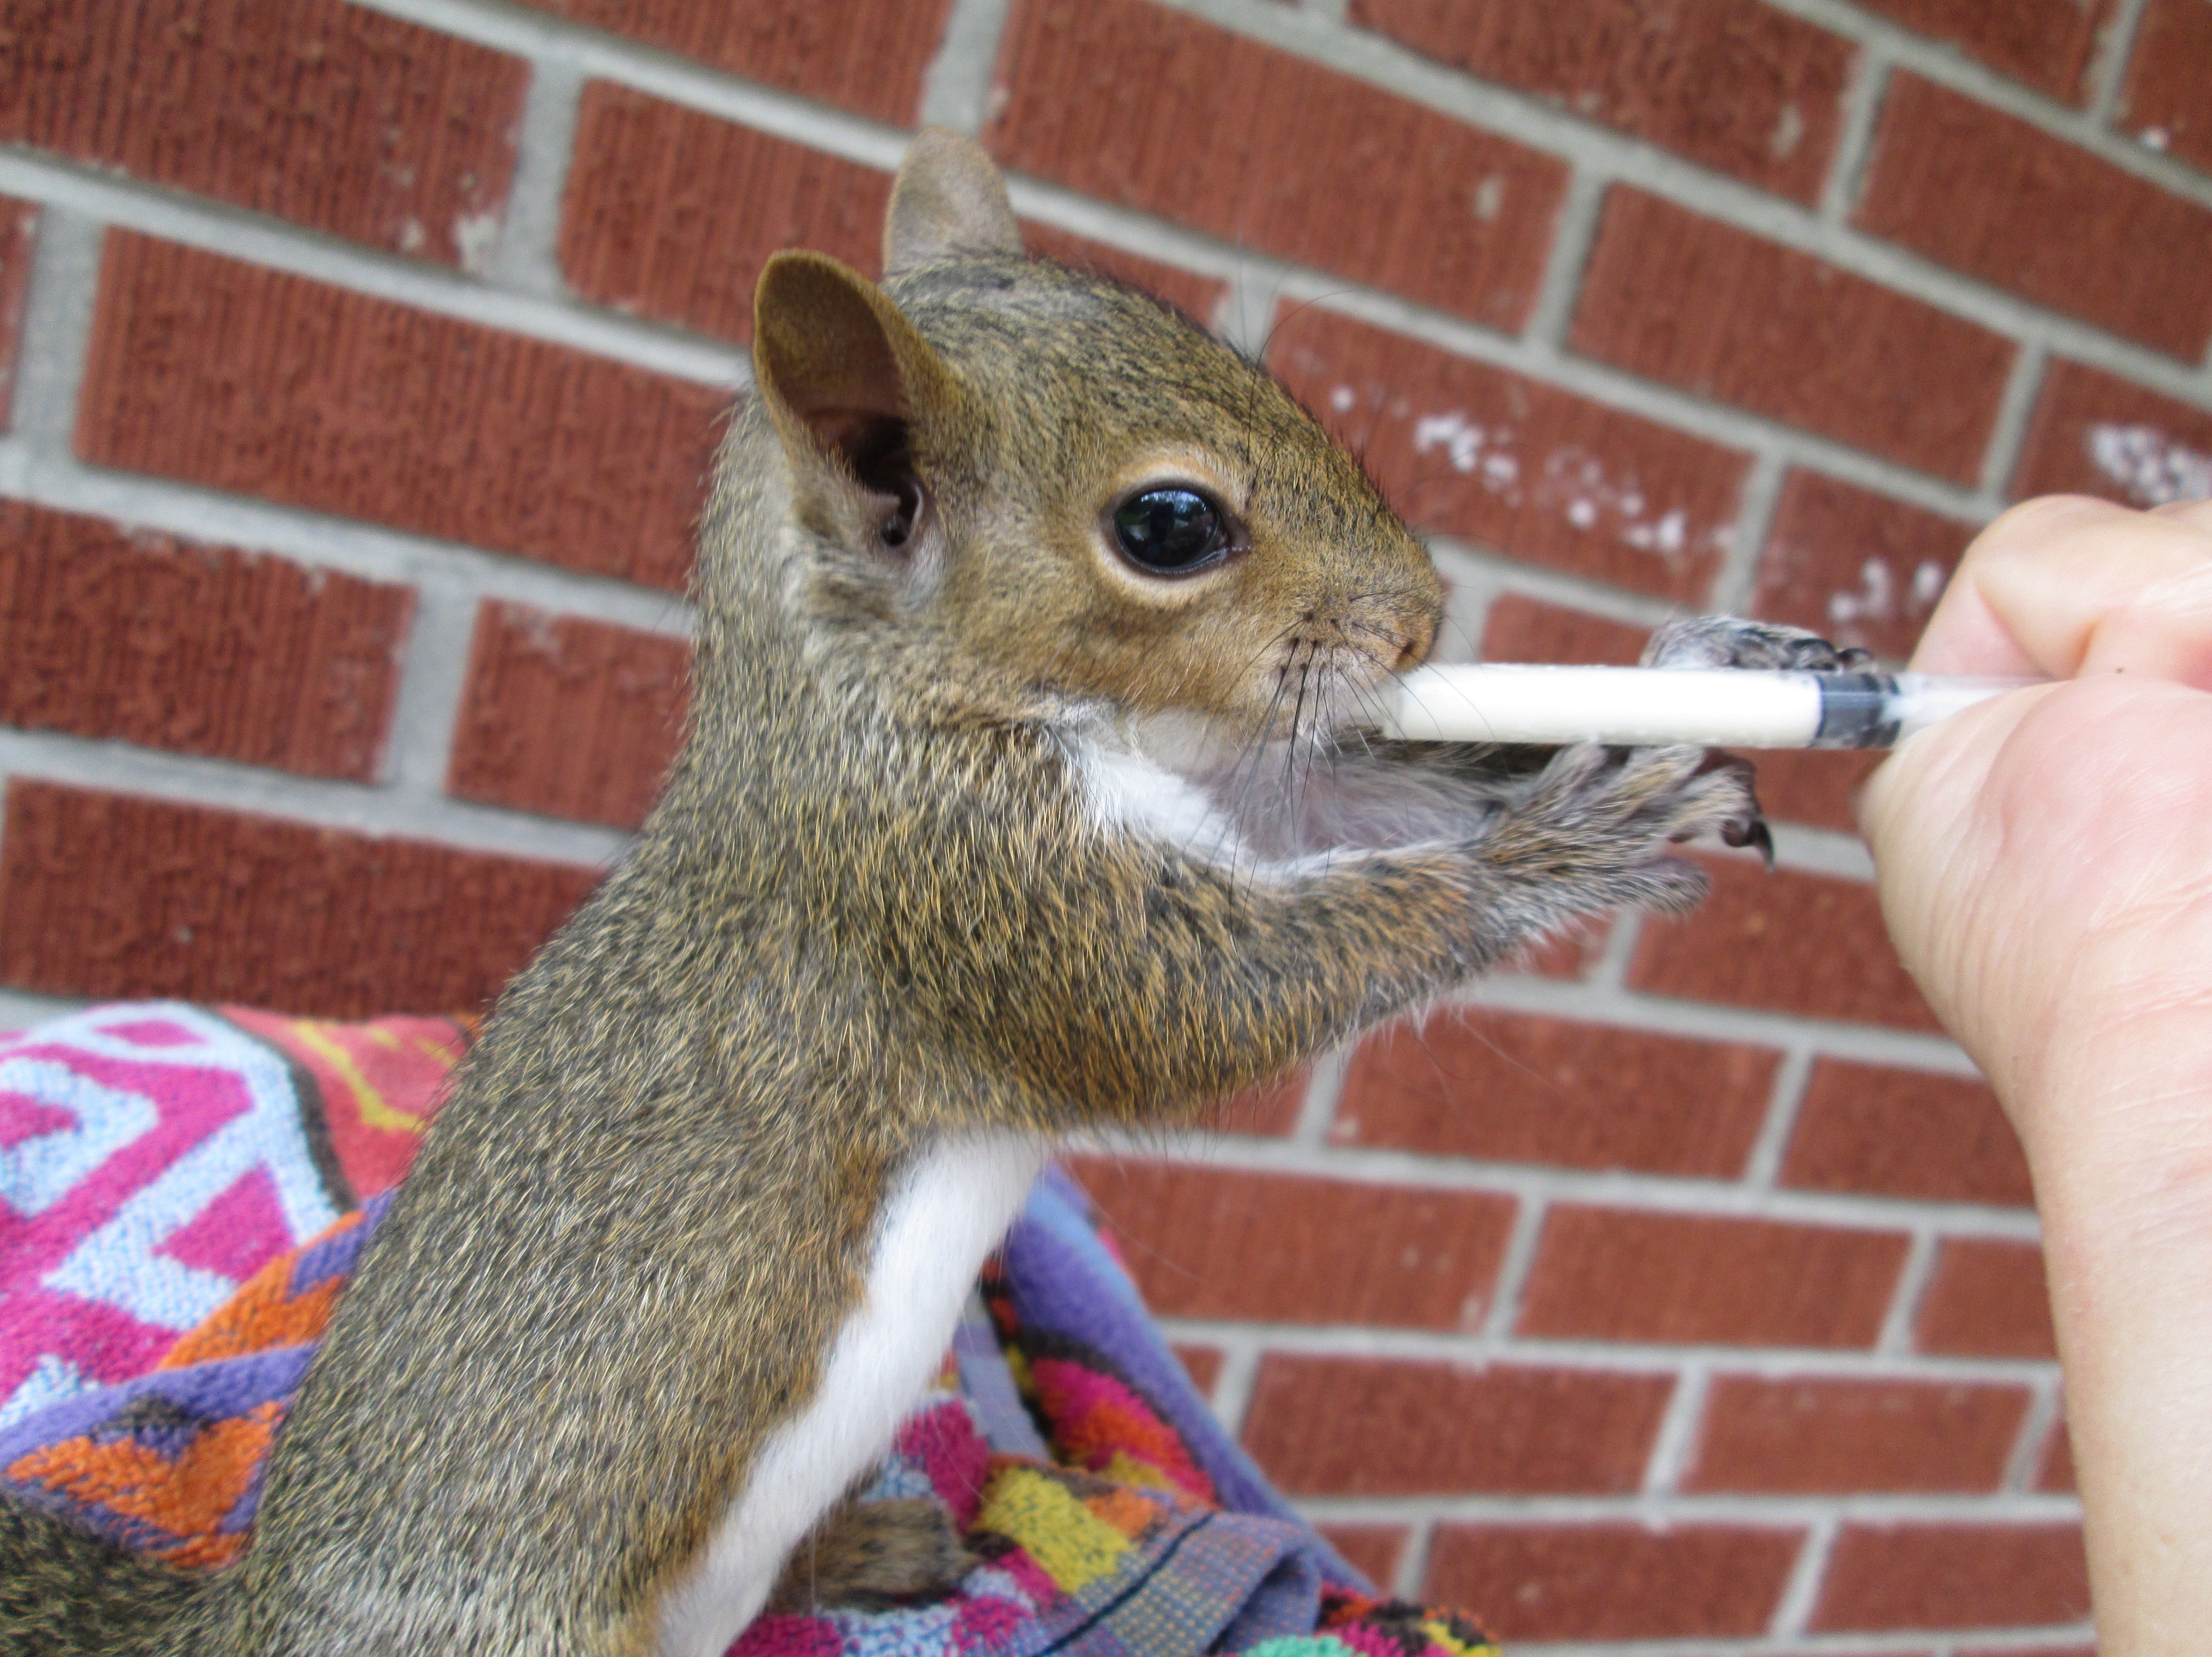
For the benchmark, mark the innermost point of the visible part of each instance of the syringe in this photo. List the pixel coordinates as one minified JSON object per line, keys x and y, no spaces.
{"x":1712,"y":707}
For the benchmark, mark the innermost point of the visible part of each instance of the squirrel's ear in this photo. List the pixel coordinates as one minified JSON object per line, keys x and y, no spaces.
{"x":950,"y":199}
{"x":844,"y":375}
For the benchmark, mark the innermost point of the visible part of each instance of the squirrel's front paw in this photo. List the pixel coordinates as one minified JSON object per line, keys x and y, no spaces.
{"x":1733,"y":641}
{"x":1600,"y":820}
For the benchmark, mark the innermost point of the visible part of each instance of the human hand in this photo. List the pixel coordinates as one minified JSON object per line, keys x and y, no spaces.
{"x":2046,"y":869}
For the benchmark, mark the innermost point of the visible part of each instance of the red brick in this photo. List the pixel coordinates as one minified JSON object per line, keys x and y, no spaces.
{"x":2095,"y":434}
{"x":332,"y":116}
{"x":1270,"y":1111}
{"x":234,"y":377}
{"x":112,"y":895}
{"x":2055,"y":1468}
{"x":567,"y":717}
{"x":1349,"y":1426}
{"x":1374,"y":1550}
{"x":867,"y":56}
{"x":1202,"y":1363}
{"x":1812,"y":786}
{"x":1196,"y":296}
{"x":1521,"y":629}
{"x":671,"y":213}
{"x":1215,"y":1242}
{"x":1819,"y":1437}
{"x":1999,"y":198}
{"x":108,"y":632}
{"x":19,"y":230}
{"x":1612,"y":1581}
{"x":1784,"y":940}
{"x":1649,"y":68}
{"x":1905,"y":1133}
{"x":1157,"y":110}
{"x":1495,"y":458}
{"x":2163,"y":102}
{"x":2025,"y":1651}
{"x":1697,"y":1279}
{"x":1854,"y":566}
{"x":1520,"y":1088}
{"x":1938,"y":1576}
{"x":2046,"y":43}
{"x":1783,"y":334}
{"x":1988,"y":1298}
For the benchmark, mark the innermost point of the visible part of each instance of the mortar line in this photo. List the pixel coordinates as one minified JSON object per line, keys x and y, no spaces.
{"x":2015,"y":409}
{"x":956,"y":89}
{"x":527,"y":259}
{"x":1232,"y":1387}
{"x":276,"y":245}
{"x":2026,"y":1640}
{"x":1912,"y":1279}
{"x":1514,"y":1271}
{"x":433,"y":679}
{"x":1747,"y":544}
{"x":1413,"y":1560}
{"x":360,"y":808}
{"x":1610,"y":971}
{"x":2035,"y":1427}
{"x":1324,"y":1093}
{"x":1574,"y":231}
{"x":1860,"y":111}
{"x":1800,"y":1593}
{"x":2108,"y":67}
{"x":1651,"y":1193}
{"x":315,"y":541}
{"x":1774,"y":1512}
{"x":1791,"y":1078}
{"x":21,"y":1008}
{"x":56,"y":333}
{"x":1675,"y":1442}
{"x":1474,"y":587}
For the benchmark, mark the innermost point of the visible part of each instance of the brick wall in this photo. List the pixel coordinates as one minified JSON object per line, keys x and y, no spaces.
{"x":358,"y":363}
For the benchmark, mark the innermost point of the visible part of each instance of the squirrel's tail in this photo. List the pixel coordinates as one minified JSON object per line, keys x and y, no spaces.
{"x":66,"y":1593}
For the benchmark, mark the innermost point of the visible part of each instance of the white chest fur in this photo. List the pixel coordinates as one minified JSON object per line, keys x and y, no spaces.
{"x":945,"y":1214}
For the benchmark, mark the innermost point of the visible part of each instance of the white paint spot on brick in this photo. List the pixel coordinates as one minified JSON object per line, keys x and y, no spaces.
{"x":1342,"y":398}
{"x":1883,"y":596}
{"x":2154,"y":469}
{"x":1788,"y":133}
{"x":476,"y":239}
{"x":412,"y":236}
{"x":1489,"y":197}
{"x":2154,"y":137}
{"x":1460,"y":438}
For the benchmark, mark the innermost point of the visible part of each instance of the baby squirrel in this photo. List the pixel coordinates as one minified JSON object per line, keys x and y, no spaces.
{"x":1022,"y":794}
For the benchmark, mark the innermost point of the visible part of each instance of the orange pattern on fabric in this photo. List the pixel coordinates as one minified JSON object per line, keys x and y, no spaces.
{"x":187,"y":1497}
{"x":262,"y":1312}
{"x":1124,"y":1510}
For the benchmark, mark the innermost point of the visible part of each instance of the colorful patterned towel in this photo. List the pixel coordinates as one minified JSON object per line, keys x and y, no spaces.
{"x":178,"y":1217}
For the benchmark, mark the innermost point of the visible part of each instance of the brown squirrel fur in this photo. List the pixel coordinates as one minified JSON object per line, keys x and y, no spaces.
{"x":893,"y":898}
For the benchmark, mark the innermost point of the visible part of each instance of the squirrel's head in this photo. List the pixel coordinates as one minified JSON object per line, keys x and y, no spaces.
{"x":1045,"y":489}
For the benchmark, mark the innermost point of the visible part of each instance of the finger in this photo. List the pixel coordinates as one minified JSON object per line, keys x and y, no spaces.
{"x":2195,"y":513}
{"x":2164,"y":632}
{"x":2033,"y":591}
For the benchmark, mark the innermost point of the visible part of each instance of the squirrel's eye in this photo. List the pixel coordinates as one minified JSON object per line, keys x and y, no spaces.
{"x":1171,"y":532}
